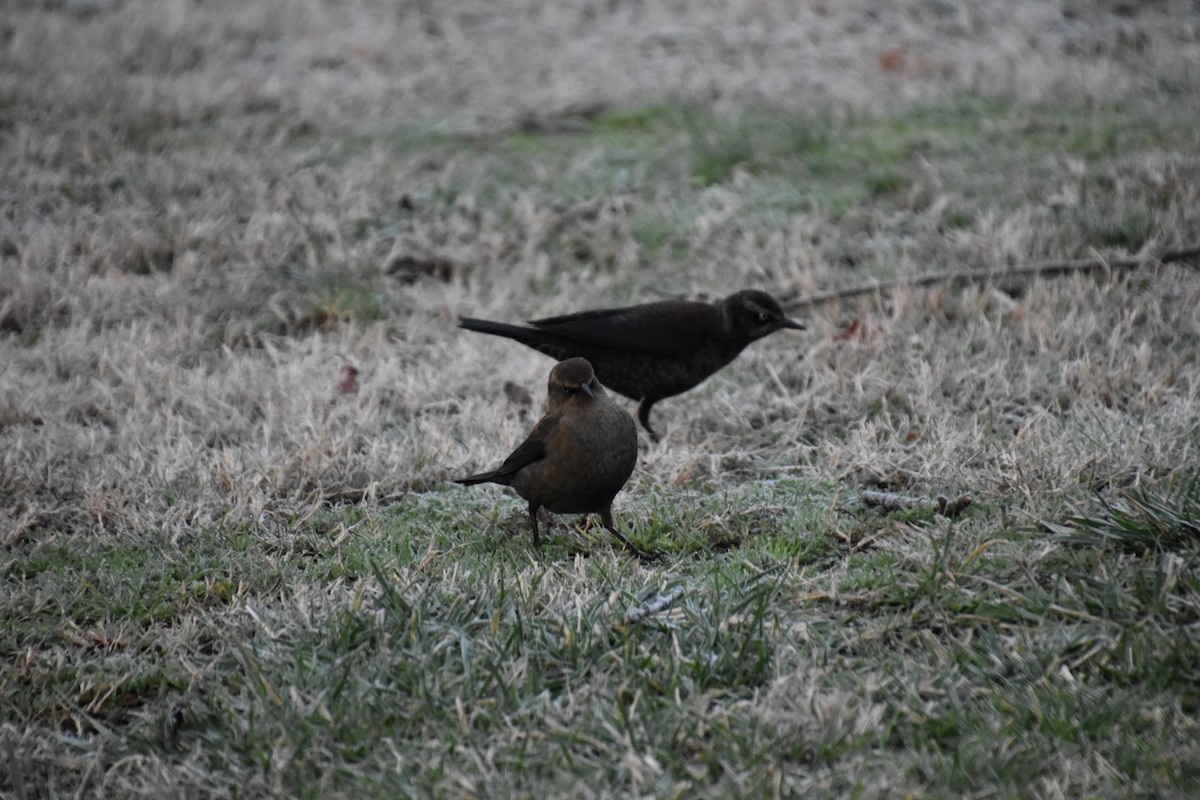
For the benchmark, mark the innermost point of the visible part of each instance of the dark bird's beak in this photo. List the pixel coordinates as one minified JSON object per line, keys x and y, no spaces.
{"x":788,"y":322}
{"x":586,"y":389}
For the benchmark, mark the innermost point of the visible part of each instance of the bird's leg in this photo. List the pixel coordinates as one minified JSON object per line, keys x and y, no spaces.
{"x":606,"y":517}
{"x":537,"y":539}
{"x":643,"y":415}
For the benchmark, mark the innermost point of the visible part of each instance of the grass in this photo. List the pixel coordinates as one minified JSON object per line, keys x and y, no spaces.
{"x":826,"y":161}
{"x":471,"y":665}
{"x":1145,"y":519}
{"x":226,"y":572}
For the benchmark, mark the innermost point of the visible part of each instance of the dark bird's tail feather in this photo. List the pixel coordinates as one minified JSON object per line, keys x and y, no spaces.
{"x":483,"y":477}
{"x":522,"y":334}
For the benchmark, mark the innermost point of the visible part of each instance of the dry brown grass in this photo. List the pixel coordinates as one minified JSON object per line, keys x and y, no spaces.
{"x":208,"y":209}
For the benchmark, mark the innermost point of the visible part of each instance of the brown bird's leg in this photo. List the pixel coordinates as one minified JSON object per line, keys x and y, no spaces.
{"x":643,"y":415}
{"x":606,"y":517}
{"x":537,"y":539}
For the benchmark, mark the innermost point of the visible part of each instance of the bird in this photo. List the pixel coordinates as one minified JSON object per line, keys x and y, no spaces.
{"x":655,"y":350}
{"x":577,"y":457}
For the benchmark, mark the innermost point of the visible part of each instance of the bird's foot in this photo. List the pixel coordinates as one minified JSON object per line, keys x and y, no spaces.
{"x":644,"y":555}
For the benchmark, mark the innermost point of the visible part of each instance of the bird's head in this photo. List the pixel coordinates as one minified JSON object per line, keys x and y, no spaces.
{"x":754,"y":314}
{"x":573,"y":380}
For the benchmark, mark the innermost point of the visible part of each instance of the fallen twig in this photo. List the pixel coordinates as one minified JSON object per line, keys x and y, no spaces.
{"x":941,"y":504}
{"x":1171,"y":256}
{"x":654,"y":605}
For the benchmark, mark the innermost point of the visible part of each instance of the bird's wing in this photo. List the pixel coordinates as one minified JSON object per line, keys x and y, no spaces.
{"x":532,"y":449}
{"x":664,"y":329}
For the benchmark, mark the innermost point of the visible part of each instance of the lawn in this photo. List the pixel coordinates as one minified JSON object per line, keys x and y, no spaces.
{"x":226,"y":570}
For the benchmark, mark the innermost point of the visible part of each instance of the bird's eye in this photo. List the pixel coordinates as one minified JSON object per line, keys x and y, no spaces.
{"x":568,"y":390}
{"x":763,"y":316}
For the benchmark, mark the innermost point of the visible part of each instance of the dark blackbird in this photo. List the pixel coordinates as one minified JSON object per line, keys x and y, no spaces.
{"x":655,"y":350}
{"x":577,"y":457}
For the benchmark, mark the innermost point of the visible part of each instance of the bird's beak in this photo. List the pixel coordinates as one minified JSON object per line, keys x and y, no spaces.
{"x":586,"y":389}
{"x":788,"y":322}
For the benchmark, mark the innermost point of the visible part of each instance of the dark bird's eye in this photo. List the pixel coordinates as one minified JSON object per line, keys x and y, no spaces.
{"x":568,"y":390}
{"x":763,"y":316}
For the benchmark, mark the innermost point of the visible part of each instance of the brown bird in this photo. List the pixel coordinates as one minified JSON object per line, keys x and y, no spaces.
{"x":577,"y":457}
{"x":654,"y":350}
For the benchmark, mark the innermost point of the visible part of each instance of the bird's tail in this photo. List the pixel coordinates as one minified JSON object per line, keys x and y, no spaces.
{"x":483,"y":477}
{"x":520,"y":333}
